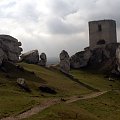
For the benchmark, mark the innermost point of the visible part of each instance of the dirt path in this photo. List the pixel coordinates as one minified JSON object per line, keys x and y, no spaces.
{"x":88,"y":96}
{"x":51,"y":102}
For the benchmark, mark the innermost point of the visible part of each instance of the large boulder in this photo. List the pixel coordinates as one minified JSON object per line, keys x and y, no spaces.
{"x":64,"y":62}
{"x":43,"y":59}
{"x":10,"y":49}
{"x":80,"y":59}
{"x":31,"y":57}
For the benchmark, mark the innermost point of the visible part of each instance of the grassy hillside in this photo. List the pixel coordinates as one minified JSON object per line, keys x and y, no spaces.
{"x":14,"y":100}
{"x":95,"y":80}
{"x":105,"y":107}
{"x":64,"y":85}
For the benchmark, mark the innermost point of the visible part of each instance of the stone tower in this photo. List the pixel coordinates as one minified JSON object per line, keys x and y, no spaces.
{"x":102,"y":32}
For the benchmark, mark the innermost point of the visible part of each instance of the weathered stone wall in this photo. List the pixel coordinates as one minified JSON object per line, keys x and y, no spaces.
{"x":102,"y":30}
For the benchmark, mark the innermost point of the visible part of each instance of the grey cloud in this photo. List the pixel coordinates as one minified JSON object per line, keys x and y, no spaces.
{"x":64,"y":24}
{"x":20,"y":11}
{"x":62,"y":7}
{"x":60,"y":26}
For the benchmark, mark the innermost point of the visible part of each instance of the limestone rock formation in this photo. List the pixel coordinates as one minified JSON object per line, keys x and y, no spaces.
{"x":64,"y":62}
{"x":118,"y":58}
{"x":31,"y":57}
{"x":80,"y":59}
{"x":43,"y":60}
{"x":103,"y":58}
{"x":9,"y":49}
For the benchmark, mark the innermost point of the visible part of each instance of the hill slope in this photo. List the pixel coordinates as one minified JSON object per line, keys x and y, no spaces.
{"x":14,"y":100}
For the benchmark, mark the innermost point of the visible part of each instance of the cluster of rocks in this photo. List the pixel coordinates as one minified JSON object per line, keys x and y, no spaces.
{"x":105,"y":58}
{"x":10,"y":49}
{"x":33,"y":57}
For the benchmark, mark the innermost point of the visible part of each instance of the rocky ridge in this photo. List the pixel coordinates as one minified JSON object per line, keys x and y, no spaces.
{"x":105,"y":58}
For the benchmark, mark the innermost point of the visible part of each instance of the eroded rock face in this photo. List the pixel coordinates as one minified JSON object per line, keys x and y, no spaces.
{"x":43,"y":59}
{"x":118,"y":58}
{"x":10,"y":49}
{"x":31,"y":57}
{"x":103,"y":58}
{"x":80,"y":59}
{"x":64,"y":62}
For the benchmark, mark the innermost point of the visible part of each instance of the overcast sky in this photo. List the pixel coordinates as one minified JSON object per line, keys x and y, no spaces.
{"x":53,"y":25}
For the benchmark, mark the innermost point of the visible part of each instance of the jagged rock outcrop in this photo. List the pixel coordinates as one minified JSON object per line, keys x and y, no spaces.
{"x":43,"y":59}
{"x":10,"y":49}
{"x":64,"y":62}
{"x":118,"y":58}
{"x":80,"y":59}
{"x":31,"y":57}
{"x":103,"y":58}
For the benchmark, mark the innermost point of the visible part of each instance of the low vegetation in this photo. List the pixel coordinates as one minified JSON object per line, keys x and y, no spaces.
{"x":105,"y":107}
{"x":14,"y":100}
{"x":96,"y":80}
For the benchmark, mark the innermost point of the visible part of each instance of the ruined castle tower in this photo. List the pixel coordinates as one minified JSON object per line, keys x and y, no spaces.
{"x":101,"y":33}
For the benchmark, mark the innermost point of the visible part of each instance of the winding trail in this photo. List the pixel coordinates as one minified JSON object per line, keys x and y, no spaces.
{"x":50,"y":103}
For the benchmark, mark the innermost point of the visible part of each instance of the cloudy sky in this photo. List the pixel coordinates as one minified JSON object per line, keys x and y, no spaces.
{"x":53,"y":25}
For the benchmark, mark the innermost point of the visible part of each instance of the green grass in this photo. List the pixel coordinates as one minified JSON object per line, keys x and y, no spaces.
{"x":95,"y":80}
{"x":54,"y":78}
{"x":104,"y":107}
{"x":12,"y":105}
{"x":63,"y":112}
{"x":14,"y":100}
